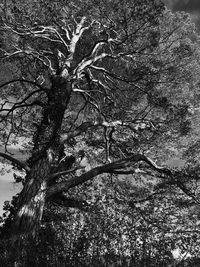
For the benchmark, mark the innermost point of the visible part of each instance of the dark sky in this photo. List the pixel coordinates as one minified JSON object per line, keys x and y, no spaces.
{"x":191,"y":6}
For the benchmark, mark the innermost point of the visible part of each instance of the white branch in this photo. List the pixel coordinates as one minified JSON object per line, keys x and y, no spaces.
{"x":42,"y":58}
{"x":88,"y":62}
{"x":45,"y":33}
{"x":133,"y":125}
{"x":75,"y":38}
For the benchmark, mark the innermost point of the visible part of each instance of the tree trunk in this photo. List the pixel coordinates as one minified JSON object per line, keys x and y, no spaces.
{"x":32,"y":199}
{"x":45,"y":154}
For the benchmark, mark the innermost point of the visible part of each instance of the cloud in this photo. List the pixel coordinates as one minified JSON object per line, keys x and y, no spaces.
{"x":196,"y":18}
{"x":170,"y":3}
{"x":189,"y":6}
{"x":183,"y":5}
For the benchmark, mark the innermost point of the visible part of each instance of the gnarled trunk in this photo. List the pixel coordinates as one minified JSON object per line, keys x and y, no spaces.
{"x":45,"y":154}
{"x":32,"y":199}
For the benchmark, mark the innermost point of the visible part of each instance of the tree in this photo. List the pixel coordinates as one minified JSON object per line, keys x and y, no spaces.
{"x":87,"y":76}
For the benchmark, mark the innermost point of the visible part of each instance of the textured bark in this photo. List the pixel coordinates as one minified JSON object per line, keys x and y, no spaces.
{"x":45,"y":155}
{"x":32,"y":199}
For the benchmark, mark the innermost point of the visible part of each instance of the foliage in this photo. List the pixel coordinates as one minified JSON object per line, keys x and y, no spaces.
{"x":120,"y":228}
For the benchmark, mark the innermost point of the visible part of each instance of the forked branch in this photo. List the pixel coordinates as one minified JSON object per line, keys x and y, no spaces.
{"x":24,"y":81}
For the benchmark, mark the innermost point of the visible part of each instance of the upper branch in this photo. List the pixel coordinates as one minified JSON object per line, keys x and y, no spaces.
{"x":132,"y":125}
{"x":39,"y":31}
{"x":85,"y":126}
{"x":29,"y":52}
{"x":15,"y":106}
{"x":22,"y":103}
{"x":24,"y":81}
{"x":74,"y":40}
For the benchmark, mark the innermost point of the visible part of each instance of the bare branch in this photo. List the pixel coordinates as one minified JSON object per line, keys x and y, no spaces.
{"x":132,"y":125}
{"x":39,"y":32}
{"x":16,"y":106}
{"x":92,"y":56}
{"x":31,"y":53}
{"x":75,"y":38}
{"x":108,"y":131}
{"x":88,"y":62}
{"x":86,"y":125}
{"x":65,"y":29}
{"x":15,"y":161}
{"x":24,"y":81}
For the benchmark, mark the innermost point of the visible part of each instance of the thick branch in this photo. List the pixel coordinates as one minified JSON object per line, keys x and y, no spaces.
{"x":57,"y":174}
{"x":74,"y":40}
{"x":15,"y":161}
{"x":107,"y":168}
